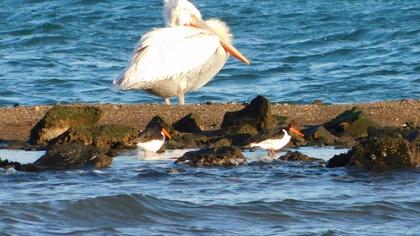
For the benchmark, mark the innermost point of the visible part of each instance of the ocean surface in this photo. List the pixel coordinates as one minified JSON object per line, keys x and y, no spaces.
{"x":156,"y":197}
{"x":69,"y":51}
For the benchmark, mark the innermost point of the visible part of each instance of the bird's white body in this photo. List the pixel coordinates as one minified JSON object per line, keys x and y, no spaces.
{"x":152,"y":145}
{"x":273,"y":144}
{"x":181,"y":57}
{"x":174,"y":60}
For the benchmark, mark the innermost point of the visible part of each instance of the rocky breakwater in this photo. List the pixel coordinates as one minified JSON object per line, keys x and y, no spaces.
{"x":74,"y":138}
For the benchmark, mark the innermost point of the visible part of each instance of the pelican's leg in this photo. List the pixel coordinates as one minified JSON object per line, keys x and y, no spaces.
{"x":167,"y":101}
{"x":181,"y":98}
{"x":271,"y":152}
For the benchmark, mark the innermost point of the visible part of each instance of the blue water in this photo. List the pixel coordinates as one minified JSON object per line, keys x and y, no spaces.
{"x":338,"y":51}
{"x":155,"y":197}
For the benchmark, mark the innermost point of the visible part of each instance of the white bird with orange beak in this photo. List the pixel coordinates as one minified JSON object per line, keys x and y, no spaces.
{"x":272,"y":145}
{"x":181,"y":57}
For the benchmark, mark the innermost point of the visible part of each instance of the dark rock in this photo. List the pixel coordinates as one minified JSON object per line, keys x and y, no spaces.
{"x":223,"y":156}
{"x":297,"y":156}
{"x":220,"y":143}
{"x":187,"y":140}
{"x":317,"y":102}
{"x":189,"y":124}
{"x":105,"y":136}
{"x":71,"y":156}
{"x":319,"y":136}
{"x":413,"y":137}
{"x":5,"y":164}
{"x":340,"y":160}
{"x":257,"y":114}
{"x":282,"y":120}
{"x":60,"y":118}
{"x":354,"y":123}
{"x":382,"y":150}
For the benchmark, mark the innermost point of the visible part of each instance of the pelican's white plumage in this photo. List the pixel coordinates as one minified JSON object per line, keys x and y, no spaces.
{"x":182,"y":51}
{"x":179,"y":58}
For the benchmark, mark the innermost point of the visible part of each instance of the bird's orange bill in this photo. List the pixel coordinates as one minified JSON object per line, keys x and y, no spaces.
{"x":296,"y":132}
{"x":234,"y":52}
{"x":166,"y":133}
{"x":199,"y":23}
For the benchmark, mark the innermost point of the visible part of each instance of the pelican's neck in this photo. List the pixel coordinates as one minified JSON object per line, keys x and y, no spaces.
{"x":221,"y":29}
{"x":179,"y":12}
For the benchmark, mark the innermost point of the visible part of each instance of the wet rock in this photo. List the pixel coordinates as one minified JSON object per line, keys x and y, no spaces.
{"x":256,"y":114}
{"x":105,"y":136}
{"x":354,"y":123}
{"x":298,"y":157}
{"x":319,"y":136}
{"x":382,"y":150}
{"x":223,"y":156}
{"x":6,"y":164}
{"x":340,"y":160}
{"x":413,"y":137}
{"x":60,"y":118}
{"x":71,"y":156}
{"x":191,"y":123}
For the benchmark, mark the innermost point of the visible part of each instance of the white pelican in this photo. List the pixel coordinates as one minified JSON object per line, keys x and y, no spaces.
{"x":152,"y":142}
{"x":272,"y":145}
{"x":181,"y":57}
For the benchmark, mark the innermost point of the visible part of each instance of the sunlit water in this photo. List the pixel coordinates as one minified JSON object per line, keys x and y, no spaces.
{"x":156,"y":197}
{"x":338,"y":51}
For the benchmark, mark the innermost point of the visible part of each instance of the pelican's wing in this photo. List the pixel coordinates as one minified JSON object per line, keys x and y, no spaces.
{"x":166,"y":52}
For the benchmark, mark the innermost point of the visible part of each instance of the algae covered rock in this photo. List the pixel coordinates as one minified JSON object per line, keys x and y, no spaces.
{"x":256,"y":114}
{"x":222,"y":156}
{"x":60,"y":118}
{"x":340,"y":160}
{"x":190,"y":123}
{"x":382,"y":150}
{"x":298,"y":157}
{"x":413,"y":137}
{"x":71,"y":156}
{"x":319,"y":136}
{"x":105,"y":136}
{"x":353,"y":122}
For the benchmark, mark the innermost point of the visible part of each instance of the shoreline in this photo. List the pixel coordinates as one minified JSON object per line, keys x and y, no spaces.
{"x":17,"y":122}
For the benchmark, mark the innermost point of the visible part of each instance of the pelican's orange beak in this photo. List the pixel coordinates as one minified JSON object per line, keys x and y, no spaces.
{"x":199,"y":23}
{"x":166,"y":133}
{"x":296,"y":132}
